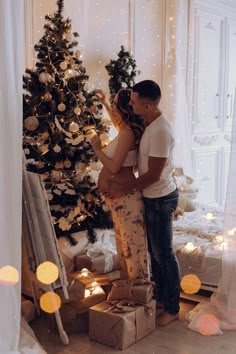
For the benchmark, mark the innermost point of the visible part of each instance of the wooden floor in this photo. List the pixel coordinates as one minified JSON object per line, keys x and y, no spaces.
{"x":175,"y":338}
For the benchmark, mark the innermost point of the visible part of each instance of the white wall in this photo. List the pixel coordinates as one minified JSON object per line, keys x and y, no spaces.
{"x":105,"y":25}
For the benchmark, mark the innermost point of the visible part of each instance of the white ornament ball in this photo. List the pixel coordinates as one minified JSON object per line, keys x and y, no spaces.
{"x":77,"y":110}
{"x":57,"y":148}
{"x":63,"y":65}
{"x":31,"y":123}
{"x":69,"y":73}
{"x":73,"y":127}
{"x":61,"y":107}
{"x":77,"y":54}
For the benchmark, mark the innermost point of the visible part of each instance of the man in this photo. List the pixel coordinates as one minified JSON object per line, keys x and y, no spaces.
{"x":155,"y":166}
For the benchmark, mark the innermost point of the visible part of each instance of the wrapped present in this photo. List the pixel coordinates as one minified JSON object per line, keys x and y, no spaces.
{"x":101,"y":264}
{"x":75,"y":315}
{"x":139,"y":290}
{"x":122,"y":324}
{"x":75,"y":288}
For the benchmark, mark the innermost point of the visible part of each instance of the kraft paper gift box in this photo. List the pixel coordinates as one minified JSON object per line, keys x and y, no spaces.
{"x":140,"y":290}
{"x":74,"y":314}
{"x":121,"y":329}
{"x":75,"y":288}
{"x":101,"y":264}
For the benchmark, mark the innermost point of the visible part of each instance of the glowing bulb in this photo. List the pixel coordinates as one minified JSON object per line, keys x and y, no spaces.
{"x":208,"y":325}
{"x":189,"y":246}
{"x":209,"y":216}
{"x":50,"y":302}
{"x":190,"y":284}
{"x":47,"y":272}
{"x":9,"y":276}
{"x":84,"y":272}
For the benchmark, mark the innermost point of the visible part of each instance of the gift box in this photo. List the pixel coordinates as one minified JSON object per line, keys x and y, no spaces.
{"x":101,"y":264}
{"x":122,"y":324}
{"x":74,"y":314}
{"x":75,"y":288}
{"x":140,"y":290}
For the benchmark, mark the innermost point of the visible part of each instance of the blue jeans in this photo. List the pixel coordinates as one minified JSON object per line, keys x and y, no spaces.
{"x":165,"y":269}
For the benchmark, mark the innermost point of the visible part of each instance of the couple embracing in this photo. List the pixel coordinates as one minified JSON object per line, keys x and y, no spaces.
{"x":142,"y":207}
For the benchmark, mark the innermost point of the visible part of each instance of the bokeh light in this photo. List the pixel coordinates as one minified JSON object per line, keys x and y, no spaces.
{"x":9,"y":275}
{"x":50,"y":302}
{"x":190,"y":284}
{"x":47,"y":272}
{"x":208,"y":325}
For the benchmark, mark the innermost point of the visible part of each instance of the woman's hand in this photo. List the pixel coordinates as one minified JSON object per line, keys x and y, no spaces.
{"x":96,"y":143}
{"x":101,"y":96}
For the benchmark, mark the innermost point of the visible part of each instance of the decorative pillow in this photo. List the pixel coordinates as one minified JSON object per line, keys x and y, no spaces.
{"x":185,"y":203}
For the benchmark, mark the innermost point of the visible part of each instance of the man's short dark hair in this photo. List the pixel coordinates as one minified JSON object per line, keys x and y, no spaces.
{"x":148,"y":89}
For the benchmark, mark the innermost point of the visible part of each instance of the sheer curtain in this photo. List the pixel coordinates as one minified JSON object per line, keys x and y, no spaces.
{"x":174,"y":101}
{"x":222,"y":306}
{"x":13,"y":337}
{"x":11,"y":39}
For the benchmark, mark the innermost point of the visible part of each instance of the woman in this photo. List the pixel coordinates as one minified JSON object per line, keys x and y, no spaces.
{"x":119,"y":159}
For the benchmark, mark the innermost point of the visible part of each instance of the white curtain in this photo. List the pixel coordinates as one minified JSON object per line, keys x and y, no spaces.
{"x":222,"y":306}
{"x":15,"y":336}
{"x":11,"y":39}
{"x":174,"y":101}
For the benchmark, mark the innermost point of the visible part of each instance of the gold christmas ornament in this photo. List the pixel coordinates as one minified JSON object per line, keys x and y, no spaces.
{"x":63,"y":65}
{"x":55,"y":176}
{"x":77,"y":54}
{"x":43,"y":149}
{"x":31,"y":123}
{"x":67,"y":163}
{"x":47,"y":97}
{"x":57,"y":148}
{"x":73,"y":127}
{"x":45,"y":77}
{"x":40,"y":165}
{"x":69,"y":73}
{"x":77,"y":110}
{"x":45,"y":136}
{"x":89,"y":197}
{"x":61,"y":107}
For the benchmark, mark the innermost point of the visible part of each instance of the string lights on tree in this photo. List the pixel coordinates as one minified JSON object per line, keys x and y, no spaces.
{"x":59,"y":118}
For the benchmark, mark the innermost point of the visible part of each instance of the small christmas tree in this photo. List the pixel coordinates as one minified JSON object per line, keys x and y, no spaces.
{"x":122,"y":72}
{"x":59,"y":117}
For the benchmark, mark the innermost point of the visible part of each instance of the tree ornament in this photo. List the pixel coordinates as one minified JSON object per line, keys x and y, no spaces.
{"x":63,"y":65}
{"x":55,"y":176}
{"x":67,"y":163}
{"x":47,"y":97}
{"x":40,"y":165}
{"x":59,"y":165}
{"x":45,"y":136}
{"x":43,"y":149}
{"x":61,"y":107}
{"x":77,"y":53}
{"x":89,"y":197}
{"x":57,"y":148}
{"x":93,"y":109}
{"x":73,"y":127}
{"x":77,"y":110}
{"x":45,"y":77}
{"x":69,"y":73}
{"x":31,"y":123}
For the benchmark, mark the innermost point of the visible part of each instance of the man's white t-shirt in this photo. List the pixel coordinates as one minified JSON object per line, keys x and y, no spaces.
{"x":158,"y":141}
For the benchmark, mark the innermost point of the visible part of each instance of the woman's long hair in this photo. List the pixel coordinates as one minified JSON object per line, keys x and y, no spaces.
{"x":135,"y":122}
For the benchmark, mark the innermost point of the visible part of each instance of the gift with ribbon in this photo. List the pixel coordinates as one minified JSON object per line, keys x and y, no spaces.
{"x":139,"y":290}
{"x":123,"y":322}
{"x":101,"y":257}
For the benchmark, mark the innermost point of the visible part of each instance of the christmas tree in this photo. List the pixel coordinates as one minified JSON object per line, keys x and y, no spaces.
{"x":59,"y":118}
{"x":122,"y":72}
